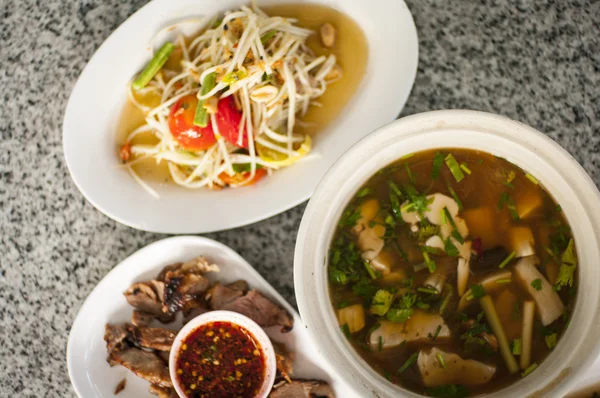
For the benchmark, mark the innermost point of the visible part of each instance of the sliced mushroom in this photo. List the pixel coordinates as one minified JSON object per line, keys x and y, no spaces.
{"x":462,"y":276}
{"x":435,"y":208}
{"x":490,"y":284}
{"x":461,"y":225}
{"x":547,"y":302}
{"x":436,"y":242}
{"x":410,"y":217}
{"x":420,"y":327}
{"x":382,"y":263}
{"x":370,"y":241}
{"x":456,"y":370}
{"x":435,"y":281}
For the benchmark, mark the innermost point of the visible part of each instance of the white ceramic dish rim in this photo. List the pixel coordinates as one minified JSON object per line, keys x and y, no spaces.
{"x":88,"y":141}
{"x":90,"y":374}
{"x":558,"y":172}
{"x":238,"y":319}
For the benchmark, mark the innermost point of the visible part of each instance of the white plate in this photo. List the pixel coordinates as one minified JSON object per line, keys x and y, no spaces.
{"x":86,"y":351}
{"x":100,"y":93}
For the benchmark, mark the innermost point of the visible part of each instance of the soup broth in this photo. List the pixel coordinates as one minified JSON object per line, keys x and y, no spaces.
{"x":452,"y":273}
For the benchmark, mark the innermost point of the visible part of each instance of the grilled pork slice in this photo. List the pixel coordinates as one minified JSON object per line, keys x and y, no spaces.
{"x":300,"y":388}
{"x":254,"y":305}
{"x":152,"y":338}
{"x":143,"y":364}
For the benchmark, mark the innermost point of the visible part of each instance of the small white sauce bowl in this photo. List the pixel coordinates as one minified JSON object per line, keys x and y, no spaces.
{"x":529,"y":149}
{"x":237,"y":319}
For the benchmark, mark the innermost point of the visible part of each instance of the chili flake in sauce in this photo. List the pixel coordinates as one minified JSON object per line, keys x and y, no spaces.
{"x":221,"y":359}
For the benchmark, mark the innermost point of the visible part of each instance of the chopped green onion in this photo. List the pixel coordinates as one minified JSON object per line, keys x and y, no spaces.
{"x":530,"y":369}
{"x":396,"y":206}
{"x":394,"y":188}
{"x":438,"y":161}
{"x":440,"y":359}
{"x":503,"y":200}
{"x":343,"y":304}
{"x":346,"y":330}
{"x":443,"y":217}
{"x":364,"y":192}
{"x":429,"y":262}
{"x":410,"y":174}
{"x":370,"y":270}
{"x":465,"y":168}
{"x":437,"y":332}
{"x":201,"y":116}
{"x":516,"y":347}
{"x":428,"y":291}
{"x":156,"y":63}
{"x":265,"y":77}
{"x":454,"y":168}
{"x":234,"y":77}
{"x":411,"y":360}
{"x":478,"y":291}
{"x":446,"y":299}
{"x":507,"y":260}
{"x":450,"y":248}
{"x":380,"y":343}
{"x":558,"y":208}
{"x":455,"y":196}
{"x":244,"y":167}
{"x":532,"y":178}
{"x":267,"y":36}
{"x":512,"y":209}
{"x":407,"y":156}
{"x":503,"y":281}
{"x":407,"y":207}
{"x":455,"y":233}
{"x":511,"y":176}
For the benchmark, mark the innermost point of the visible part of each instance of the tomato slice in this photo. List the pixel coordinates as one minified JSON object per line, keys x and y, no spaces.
{"x":229,"y":118}
{"x":239,"y":177}
{"x":183,"y":129}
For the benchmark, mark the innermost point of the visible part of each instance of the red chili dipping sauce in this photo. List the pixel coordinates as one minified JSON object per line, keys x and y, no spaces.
{"x":221,"y":359}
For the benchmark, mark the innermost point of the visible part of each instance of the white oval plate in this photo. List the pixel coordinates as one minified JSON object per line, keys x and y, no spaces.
{"x":86,"y":350}
{"x":100,"y":93}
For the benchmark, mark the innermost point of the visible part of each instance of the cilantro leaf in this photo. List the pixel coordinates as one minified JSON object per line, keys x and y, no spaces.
{"x":478,"y":291}
{"x":551,"y":340}
{"x":382,"y":300}
{"x":398,"y":315}
{"x":566,"y":273}
{"x":537,"y":284}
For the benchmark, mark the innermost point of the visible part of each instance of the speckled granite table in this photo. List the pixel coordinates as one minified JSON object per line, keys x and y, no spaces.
{"x":535,"y":61}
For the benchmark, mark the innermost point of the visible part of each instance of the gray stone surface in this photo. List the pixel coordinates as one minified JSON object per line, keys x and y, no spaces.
{"x":535,"y":61}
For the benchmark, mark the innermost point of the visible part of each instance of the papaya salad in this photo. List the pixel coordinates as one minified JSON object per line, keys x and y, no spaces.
{"x":225,"y":106}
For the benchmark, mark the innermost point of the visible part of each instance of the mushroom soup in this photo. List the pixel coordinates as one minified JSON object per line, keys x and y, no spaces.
{"x":453,"y":272}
